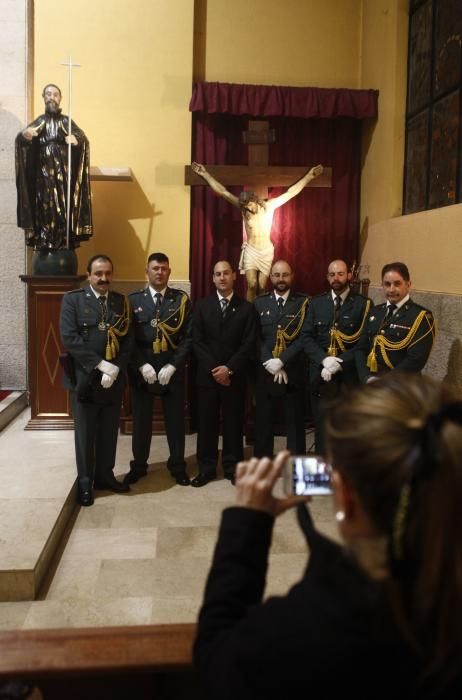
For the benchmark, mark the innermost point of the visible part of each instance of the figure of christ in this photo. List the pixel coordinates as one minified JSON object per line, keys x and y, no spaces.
{"x":257,"y":214}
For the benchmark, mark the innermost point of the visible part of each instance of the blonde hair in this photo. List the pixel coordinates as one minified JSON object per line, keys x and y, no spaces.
{"x":398,"y":442}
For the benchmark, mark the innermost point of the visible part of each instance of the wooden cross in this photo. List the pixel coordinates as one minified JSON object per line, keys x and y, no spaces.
{"x":258,"y":174}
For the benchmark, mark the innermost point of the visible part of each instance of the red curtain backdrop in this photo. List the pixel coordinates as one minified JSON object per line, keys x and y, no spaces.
{"x":312,"y":126}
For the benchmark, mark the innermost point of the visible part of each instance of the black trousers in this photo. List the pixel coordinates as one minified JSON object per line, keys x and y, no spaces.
{"x":173,"y":407}
{"x":292,"y":399}
{"x":229,"y":402}
{"x":96,"y":428}
{"x":322,"y":394}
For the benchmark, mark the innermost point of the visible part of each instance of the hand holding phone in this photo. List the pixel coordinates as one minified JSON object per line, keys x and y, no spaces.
{"x":306,"y":476}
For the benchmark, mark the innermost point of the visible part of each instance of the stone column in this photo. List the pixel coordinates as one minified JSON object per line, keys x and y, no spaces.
{"x":15,"y":56}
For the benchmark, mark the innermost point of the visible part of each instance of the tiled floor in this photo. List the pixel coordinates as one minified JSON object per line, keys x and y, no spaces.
{"x":136,"y":558}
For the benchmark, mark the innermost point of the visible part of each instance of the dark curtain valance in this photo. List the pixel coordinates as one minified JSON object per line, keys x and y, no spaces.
{"x":277,"y":101}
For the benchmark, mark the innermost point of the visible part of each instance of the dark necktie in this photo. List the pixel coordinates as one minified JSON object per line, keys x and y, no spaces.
{"x":390,"y":311}
{"x":224,"y":306}
{"x":337,"y":304}
{"x":158,"y":298}
{"x":280,"y":304}
{"x":103,"y":302}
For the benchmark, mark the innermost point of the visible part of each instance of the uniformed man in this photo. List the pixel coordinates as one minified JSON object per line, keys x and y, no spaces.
{"x":95,"y":331}
{"x":162,"y":329}
{"x":334,"y":323}
{"x":398,"y":334}
{"x":281,"y":319}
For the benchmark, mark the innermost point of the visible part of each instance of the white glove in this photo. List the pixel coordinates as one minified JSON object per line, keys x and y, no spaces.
{"x":149,"y":373}
{"x":165,"y":374}
{"x":106,"y":381}
{"x":326,"y":374}
{"x":274,"y":365}
{"x":108,"y":368}
{"x":281,"y":376}
{"x":333,"y":364}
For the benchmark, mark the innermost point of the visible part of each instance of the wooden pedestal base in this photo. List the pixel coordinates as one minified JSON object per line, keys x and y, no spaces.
{"x":50,"y":408}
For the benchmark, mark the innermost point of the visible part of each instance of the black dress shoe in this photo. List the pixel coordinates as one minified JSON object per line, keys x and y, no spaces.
{"x":111,"y":484}
{"x":201,"y":479}
{"x":85,"y":498}
{"x":182,"y":479}
{"x":132,"y":477}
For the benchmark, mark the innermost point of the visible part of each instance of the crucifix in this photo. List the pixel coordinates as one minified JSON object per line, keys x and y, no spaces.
{"x":256,"y":209}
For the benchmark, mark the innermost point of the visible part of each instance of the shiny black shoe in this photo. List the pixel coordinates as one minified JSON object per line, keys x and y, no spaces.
{"x":85,"y":498}
{"x":201,"y":480}
{"x":182,"y":479}
{"x":132,"y":477}
{"x":111,"y":484}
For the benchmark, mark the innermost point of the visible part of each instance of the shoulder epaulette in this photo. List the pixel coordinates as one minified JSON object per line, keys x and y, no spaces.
{"x":137,"y":291}
{"x":175,"y":290}
{"x":75,"y":291}
{"x":419,"y":306}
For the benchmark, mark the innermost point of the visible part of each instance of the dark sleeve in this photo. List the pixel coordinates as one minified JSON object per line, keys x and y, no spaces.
{"x":263,"y":352}
{"x":126,"y":344}
{"x":72,"y":340}
{"x":315,"y":352}
{"x":349,"y":356}
{"x":199,"y":338}
{"x":297,"y":345}
{"x":361,"y":351}
{"x":244,"y":353}
{"x":235,"y":582}
{"x":420,"y":347}
{"x":184,"y":346}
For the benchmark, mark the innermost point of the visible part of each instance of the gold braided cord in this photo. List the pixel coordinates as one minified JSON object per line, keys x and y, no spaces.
{"x":339,"y":339}
{"x":118,"y":330}
{"x":383,"y":344}
{"x":283,"y":338}
{"x":165,"y":331}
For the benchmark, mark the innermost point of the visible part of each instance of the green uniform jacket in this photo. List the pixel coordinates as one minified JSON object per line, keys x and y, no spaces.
{"x":412,"y":357}
{"x":145,"y":331}
{"x":321,"y":318}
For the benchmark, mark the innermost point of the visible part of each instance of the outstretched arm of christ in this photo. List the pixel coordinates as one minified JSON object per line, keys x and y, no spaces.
{"x":216,"y":186}
{"x":296,"y":188}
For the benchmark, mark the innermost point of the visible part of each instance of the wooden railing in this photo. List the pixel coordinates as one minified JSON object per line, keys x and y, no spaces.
{"x":114,"y":662}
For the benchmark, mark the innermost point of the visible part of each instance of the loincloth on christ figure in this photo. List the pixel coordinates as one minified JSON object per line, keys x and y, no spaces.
{"x":254,"y":259}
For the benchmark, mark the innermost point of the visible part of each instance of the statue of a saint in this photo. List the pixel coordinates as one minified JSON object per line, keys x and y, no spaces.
{"x":41,"y":179}
{"x":257,"y":214}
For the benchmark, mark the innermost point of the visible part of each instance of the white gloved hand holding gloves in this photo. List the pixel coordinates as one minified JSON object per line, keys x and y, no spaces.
{"x":333,"y":364}
{"x":274,"y":365}
{"x":149,"y":373}
{"x":165,"y":374}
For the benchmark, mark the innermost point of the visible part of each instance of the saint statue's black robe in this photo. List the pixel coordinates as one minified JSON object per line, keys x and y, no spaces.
{"x":41,"y":182}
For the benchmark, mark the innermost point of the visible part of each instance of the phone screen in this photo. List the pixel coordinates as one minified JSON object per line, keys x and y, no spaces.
{"x":307,"y":476}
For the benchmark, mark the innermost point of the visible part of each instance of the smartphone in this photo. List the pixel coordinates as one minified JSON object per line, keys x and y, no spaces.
{"x":306,"y":476}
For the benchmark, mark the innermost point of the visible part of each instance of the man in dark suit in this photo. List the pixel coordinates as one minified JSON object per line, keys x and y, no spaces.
{"x":223,"y":341}
{"x":398,"y":334}
{"x":333,"y":326}
{"x":162,"y":329}
{"x":281,"y":320}
{"x":95,"y":330}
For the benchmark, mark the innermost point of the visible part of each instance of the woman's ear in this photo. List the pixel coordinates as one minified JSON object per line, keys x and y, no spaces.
{"x":350,"y":514}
